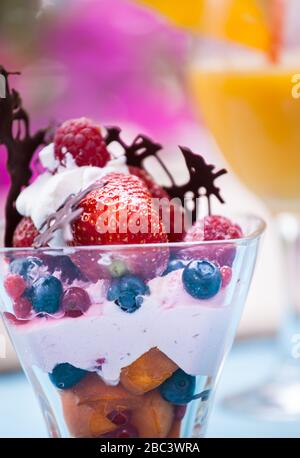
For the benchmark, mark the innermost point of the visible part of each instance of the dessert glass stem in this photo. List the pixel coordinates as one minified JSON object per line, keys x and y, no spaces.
{"x":278,"y":398}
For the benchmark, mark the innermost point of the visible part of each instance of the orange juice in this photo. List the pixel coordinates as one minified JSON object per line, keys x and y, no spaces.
{"x":249,"y":108}
{"x":241,"y":21}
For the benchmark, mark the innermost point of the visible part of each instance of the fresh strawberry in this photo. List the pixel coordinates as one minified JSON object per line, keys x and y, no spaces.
{"x":101,"y":222}
{"x":83,"y":140}
{"x":211,"y":228}
{"x":172,"y":216}
{"x":121,"y":212}
{"x":25,"y":233}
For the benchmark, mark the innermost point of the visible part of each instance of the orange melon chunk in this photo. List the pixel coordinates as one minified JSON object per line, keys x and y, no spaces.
{"x":155,"y":417}
{"x":94,"y":392}
{"x":83,"y":420}
{"x":147,"y":372}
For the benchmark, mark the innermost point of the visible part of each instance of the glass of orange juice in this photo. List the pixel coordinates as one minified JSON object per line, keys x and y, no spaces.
{"x":245,"y":83}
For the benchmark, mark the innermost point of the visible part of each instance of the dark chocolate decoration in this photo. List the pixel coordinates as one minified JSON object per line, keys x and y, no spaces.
{"x":141,"y":148}
{"x":63,"y":216}
{"x":201,"y":174}
{"x":21,"y":146}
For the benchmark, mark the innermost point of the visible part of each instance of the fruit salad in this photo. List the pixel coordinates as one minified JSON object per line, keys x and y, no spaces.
{"x":121,"y":324}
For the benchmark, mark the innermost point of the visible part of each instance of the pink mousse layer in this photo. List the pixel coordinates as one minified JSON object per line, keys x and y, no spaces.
{"x":193,"y":333}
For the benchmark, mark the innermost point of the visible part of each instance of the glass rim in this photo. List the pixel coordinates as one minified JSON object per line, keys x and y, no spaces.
{"x":256,"y":233}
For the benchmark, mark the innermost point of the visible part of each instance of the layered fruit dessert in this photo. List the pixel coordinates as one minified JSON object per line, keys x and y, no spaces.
{"x":125,"y":321}
{"x":120,"y":302}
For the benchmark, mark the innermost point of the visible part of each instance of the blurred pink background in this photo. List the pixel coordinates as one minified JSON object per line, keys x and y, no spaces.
{"x":83,"y":60}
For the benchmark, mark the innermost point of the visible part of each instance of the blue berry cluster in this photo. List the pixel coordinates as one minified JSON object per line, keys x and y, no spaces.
{"x":127,"y":292}
{"x":44,"y":292}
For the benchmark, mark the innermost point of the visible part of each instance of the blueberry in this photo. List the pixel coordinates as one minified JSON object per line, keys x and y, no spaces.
{"x":126,"y":292}
{"x":65,"y":376}
{"x":174,"y":264}
{"x":26,"y":267}
{"x":179,"y":389}
{"x":46,"y":294}
{"x":202,"y":279}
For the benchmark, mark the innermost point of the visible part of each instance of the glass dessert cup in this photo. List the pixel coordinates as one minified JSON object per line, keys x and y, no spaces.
{"x":248,"y":99}
{"x":110,"y":353}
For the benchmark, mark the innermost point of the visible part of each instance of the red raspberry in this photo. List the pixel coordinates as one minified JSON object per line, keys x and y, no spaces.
{"x":213,"y":228}
{"x":226,"y":273}
{"x":83,"y":140}
{"x":22,"y":307}
{"x":15,"y":286}
{"x":25,"y":233}
{"x":75,"y":299}
{"x":121,"y":212}
{"x":221,"y":228}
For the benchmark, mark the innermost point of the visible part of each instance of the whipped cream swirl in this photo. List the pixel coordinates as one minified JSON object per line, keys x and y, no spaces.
{"x":50,"y":190}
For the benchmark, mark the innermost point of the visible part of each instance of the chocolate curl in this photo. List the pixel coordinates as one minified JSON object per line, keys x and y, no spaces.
{"x":62,"y":218}
{"x":200,"y":183}
{"x":20,"y":147}
{"x":141,"y":148}
{"x":201,"y":175}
